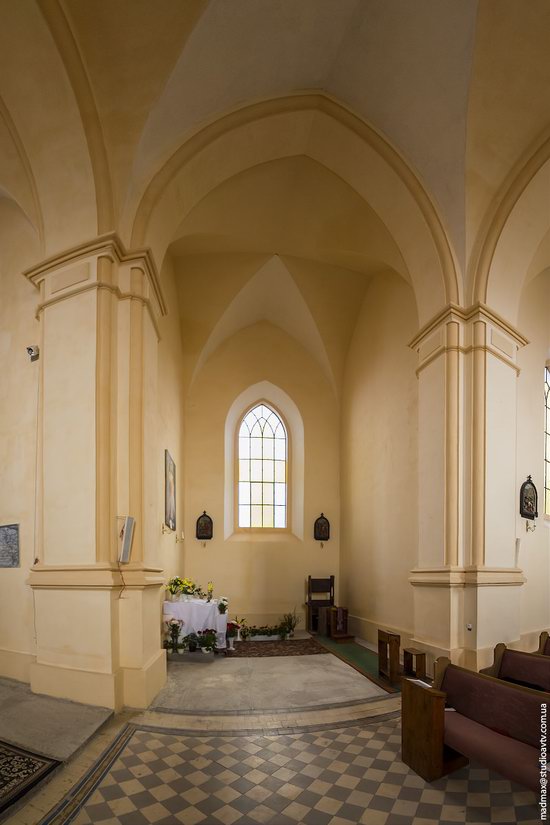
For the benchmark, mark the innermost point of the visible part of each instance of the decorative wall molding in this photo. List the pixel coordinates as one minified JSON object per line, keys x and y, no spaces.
{"x":108,"y":245}
{"x":467,"y":577}
{"x":502,"y":339}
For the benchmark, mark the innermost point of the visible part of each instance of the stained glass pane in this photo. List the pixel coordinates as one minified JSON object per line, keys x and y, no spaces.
{"x":244,"y":470}
{"x":256,"y":493}
{"x":280,"y":494}
{"x":244,"y":492}
{"x":280,"y":516}
{"x":267,"y":516}
{"x":244,"y":516}
{"x":280,"y":471}
{"x":262,"y":469}
{"x":269,"y":470}
{"x":255,"y":470}
{"x":280,"y":449}
{"x":267,"y":493}
{"x":244,"y":447}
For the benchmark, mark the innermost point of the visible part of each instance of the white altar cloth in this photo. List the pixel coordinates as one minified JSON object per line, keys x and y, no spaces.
{"x":198,"y":614}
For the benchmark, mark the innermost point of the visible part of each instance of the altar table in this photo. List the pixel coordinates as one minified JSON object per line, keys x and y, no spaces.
{"x":198,"y":614}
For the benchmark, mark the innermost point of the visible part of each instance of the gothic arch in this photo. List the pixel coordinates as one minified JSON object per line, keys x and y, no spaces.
{"x":318,"y":127}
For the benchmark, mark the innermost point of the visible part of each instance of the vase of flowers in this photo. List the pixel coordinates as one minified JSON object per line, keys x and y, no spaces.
{"x":174,"y":626}
{"x":222,"y":604}
{"x":174,"y":588}
{"x":188,"y":588}
{"x":233,"y":629}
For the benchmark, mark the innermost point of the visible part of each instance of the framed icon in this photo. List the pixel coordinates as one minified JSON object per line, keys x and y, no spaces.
{"x":169,"y":491}
{"x":205,"y":527}
{"x":321,"y":528}
{"x":528,"y":500}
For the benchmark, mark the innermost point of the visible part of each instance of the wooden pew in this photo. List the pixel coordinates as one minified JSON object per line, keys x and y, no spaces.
{"x":467,"y":715}
{"x":544,"y":644}
{"x":521,"y":668}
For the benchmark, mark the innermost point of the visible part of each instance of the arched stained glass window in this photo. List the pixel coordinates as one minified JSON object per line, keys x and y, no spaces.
{"x":547,"y":441}
{"x":263,"y":455}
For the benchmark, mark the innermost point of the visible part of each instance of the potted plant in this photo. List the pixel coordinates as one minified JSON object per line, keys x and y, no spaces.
{"x":232,"y":631}
{"x":289,"y":623}
{"x":207,"y":640}
{"x":222,"y":604}
{"x":174,"y":626}
{"x":192,"y":642}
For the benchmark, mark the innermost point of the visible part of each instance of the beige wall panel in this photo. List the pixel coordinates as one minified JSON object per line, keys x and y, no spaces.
{"x":431,"y":464}
{"x":534,"y":547}
{"x":501,"y":496}
{"x":69,"y":363}
{"x":264,"y":575}
{"x":18,"y":433}
{"x":74,"y":629}
{"x":379,"y":458}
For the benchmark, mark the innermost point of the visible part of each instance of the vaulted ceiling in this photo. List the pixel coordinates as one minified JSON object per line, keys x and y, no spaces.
{"x":98,"y":98}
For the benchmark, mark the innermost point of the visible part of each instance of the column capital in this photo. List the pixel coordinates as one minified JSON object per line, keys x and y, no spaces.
{"x":466,"y":330}
{"x":78,"y":269}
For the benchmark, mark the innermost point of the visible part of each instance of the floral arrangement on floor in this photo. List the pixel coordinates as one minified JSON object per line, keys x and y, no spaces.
{"x":232,"y":628}
{"x":174,"y":627}
{"x":283,"y":629}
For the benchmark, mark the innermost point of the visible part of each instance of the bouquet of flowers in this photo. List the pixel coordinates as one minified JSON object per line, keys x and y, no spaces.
{"x":174,"y":627}
{"x":175,"y":585}
{"x":188,"y":586}
{"x":209,"y":591}
{"x":222,"y":604}
{"x":232,"y":628}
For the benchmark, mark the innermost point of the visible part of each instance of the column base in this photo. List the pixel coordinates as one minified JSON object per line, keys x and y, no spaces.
{"x":128,"y":687}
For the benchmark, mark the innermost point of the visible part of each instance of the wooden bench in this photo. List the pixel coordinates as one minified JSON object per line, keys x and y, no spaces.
{"x":544,"y":644}
{"x":388,"y":655}
{"x":467,"y":715}
{"x":521,"y":668}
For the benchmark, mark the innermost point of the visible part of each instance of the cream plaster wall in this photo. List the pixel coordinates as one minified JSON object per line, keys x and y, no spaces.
{"x":168,"y":427}
{"x":379,"y":462}
{"x":534,"y":547}
{"x":264,"y":575}
{"x":18,"y":431}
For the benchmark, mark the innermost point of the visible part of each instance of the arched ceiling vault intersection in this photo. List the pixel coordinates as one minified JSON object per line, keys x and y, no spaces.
{"x":323,"y":130}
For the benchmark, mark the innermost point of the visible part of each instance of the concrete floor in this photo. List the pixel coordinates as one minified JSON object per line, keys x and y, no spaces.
{"x":52,"y":727}
{"x":223,"y":684}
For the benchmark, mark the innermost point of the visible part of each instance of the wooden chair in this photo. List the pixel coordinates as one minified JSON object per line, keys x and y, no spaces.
{"x":320,"y":593}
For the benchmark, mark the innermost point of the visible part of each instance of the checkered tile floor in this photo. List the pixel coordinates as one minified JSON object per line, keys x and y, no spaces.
{"x":337,"y":777}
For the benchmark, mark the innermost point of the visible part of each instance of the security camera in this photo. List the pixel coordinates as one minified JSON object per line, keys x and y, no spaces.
{"x":33,"y":352}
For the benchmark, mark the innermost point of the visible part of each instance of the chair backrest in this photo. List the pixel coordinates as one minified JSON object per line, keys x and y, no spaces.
{"x":529,"y":669}
{"x":544,"y":643}
{"x":324,"y":586}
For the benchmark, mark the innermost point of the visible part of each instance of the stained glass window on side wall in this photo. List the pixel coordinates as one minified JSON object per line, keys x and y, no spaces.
{"x":262,"y":467}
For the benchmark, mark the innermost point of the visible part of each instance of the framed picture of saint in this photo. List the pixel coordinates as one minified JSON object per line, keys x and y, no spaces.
{"x":321,"y":528}
{"x":205,"y":527}
{"x":169,"y":491}
{"x":528,"y":500}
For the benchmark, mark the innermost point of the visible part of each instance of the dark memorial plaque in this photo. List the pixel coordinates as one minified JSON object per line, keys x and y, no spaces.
{"x":9,"y":545}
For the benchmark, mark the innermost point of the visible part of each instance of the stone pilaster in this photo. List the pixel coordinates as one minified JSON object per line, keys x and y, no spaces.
{"x":466,"y":571}
{"x":98,"y":630}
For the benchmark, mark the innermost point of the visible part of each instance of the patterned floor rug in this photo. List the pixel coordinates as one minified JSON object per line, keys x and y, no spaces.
{"x":20,"y":771}
{"x":290,"y":647}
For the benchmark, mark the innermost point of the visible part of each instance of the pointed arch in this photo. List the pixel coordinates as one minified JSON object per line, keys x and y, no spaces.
{"x":278,"y":400}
